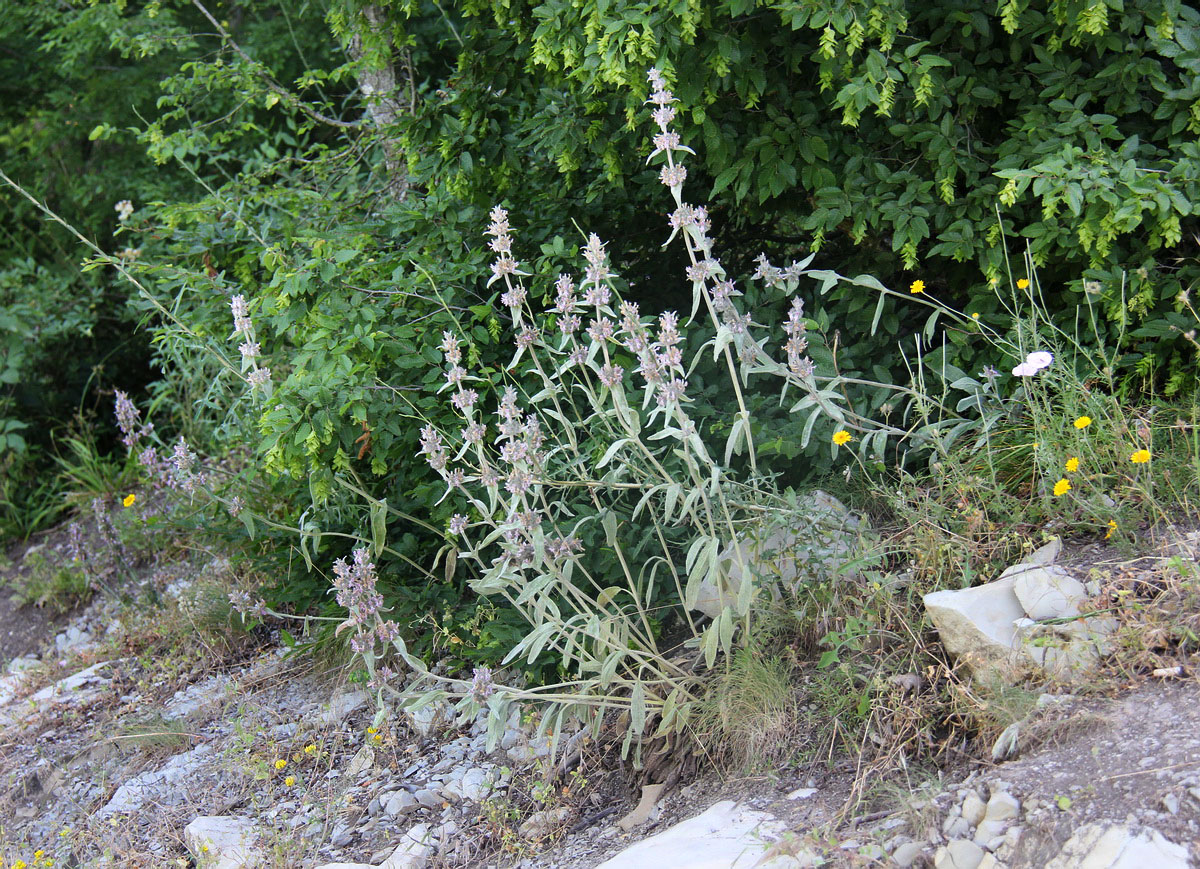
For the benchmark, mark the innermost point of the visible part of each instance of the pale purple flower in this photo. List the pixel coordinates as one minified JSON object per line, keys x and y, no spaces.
{"x":671,"y":391}
{"x":568,"y":324}
{"x":354,"y":584}
{"x":703,"y":270}
{"x":508,"y":404}
{"x":488,"y":476}
{"x":250,"y":350}
{"x":668,"y":329}
{"x":481,"y":684}
{"x":259,"y":377}
{"x":564,"y":300}
{"x":610,"y":375}
{"x":432,"y":448}
{"x":600,"y":330}
{"x":673,"y":176}
{"x":514,"y":298}
{"x":518,"y":482}
{"x":449,"y":347}
{"x":665,"y":141}
{"x":129,"y":421}
{"x":387,"y":630}
{"x":465,"y":399}
{"x":236,"y":506}
{"x":458,"y":523}
{"x":474,"y":433}
{"x":503,"y":266}
{"x":563,"y":547}
{"x":526,"y":338}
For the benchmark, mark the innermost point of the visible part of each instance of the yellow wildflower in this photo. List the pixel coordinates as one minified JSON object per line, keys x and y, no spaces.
{"x":917,"y":287}
{"x":1072,"y":465}
{"x":1112,"y":526}
{"x":290,"y":780}
{"x":842,"y":437}
{"x":1062,"y":487}
{"x":129,"y":499}
{"x":1140,"y":457}
{"x":280,"y":764}
{"x":975,"y":316}
{"x":371,"y":731}
{"x":1083,"y":422}
{"x":310,"y":748}
{"x":1022,"y":284}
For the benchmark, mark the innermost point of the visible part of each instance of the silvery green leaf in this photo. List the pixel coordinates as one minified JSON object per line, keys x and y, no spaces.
{"x":725,"y":629}
{"x":609,"y":671}
{"x":709,"y":646}
{"x":609,"y":521}
{"x":637,"y":708}
{"x":378,"y":526}
{"x":733,"y":442}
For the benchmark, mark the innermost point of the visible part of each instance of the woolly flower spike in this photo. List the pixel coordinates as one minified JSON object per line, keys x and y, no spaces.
{"x":354,"y":583}
{"x":610,"y":375}
{"x":1062,"y":487}
{"x":662,"y":98}
{"x":1140,"y":457}
{"x":1033,"y":363}
{"x":917,"y":287}
{"x":241,"y":316}
{"x":1083,"y":422}
{"x":673,"y":176}
{"x":129,"y":420}
{"x":842,"y":437}
{"x":449,"y":347}
{"x":481,"y":684}
{"x":501,"y":243}
{"x":564,"y":299}
{"x":458,"y":523}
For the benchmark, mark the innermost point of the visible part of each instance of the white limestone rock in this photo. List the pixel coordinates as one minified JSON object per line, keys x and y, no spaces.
{"x":168,"y":785}
{"x":1049,"y":593}
{"x":978,"y":625}
{"x":1095,"y":846}
{"x":223,"y":842}
{"x":726,"y":836}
